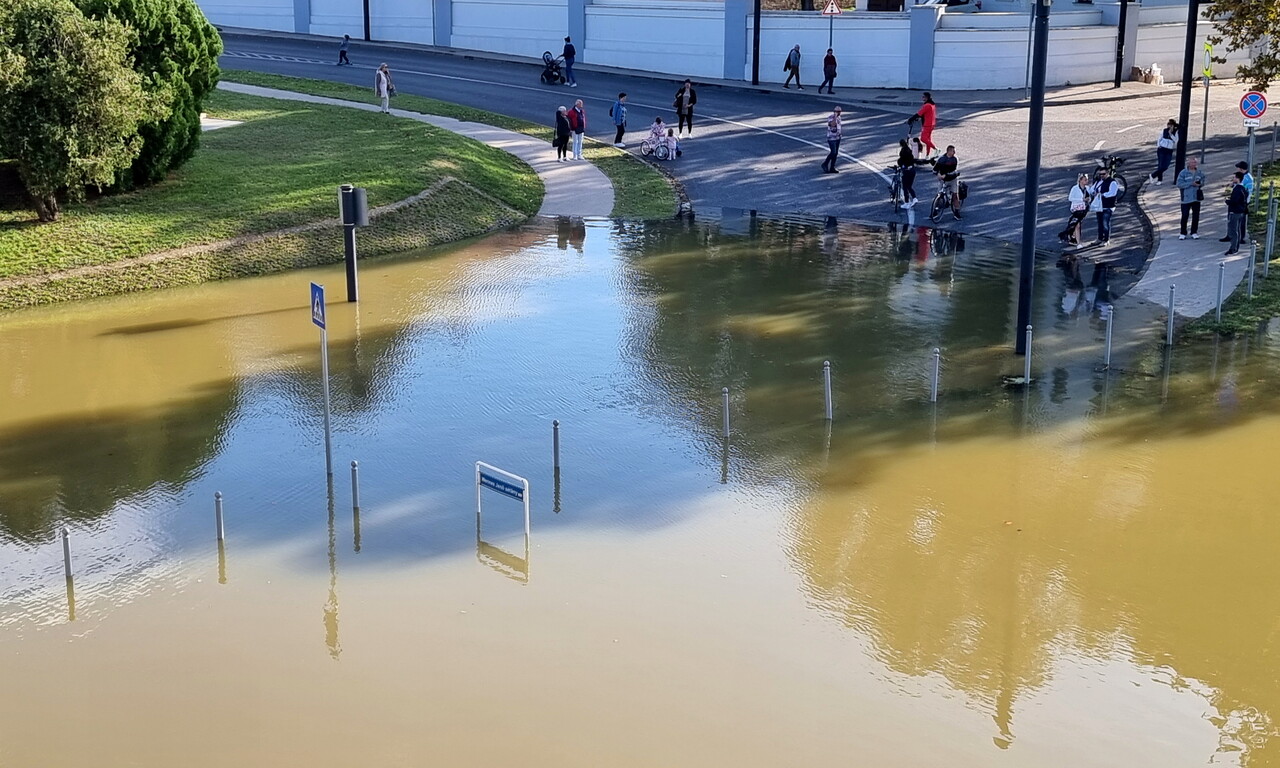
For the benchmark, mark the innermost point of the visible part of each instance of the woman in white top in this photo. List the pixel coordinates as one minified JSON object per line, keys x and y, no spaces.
{"x":383,"y":88}
{"x":1079,"y":200}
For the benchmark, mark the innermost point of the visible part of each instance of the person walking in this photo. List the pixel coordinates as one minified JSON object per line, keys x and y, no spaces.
{"x":1105,"y":191}
{"x":907,"y":162}
{"x":1078,"y":199}
{"x":828,"y":72}
{"x":928,"y":117}
{"x":792,"y":67}
{"x":686,"y":97}
{"x":570,"y":54}
{"x":578,"y":124}
{"x":619,"y":114}
{"x":561,"y":141}
{"x":1237,"y":206}
{"x":1165,"y":146}
{"x":342,"y":51}
{"x":833,"y":141}
{"x":383,"y":88}
{"x":1190,"y":183}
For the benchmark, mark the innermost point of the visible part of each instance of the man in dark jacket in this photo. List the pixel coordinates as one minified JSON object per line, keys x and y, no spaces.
{"x":828,"y":72}
{"x":1237,"y":206}
{"x":570,"y":53}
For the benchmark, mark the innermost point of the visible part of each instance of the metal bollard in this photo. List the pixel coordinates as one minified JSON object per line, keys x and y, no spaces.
{"x":826,"y":384}
{"x":355,"y":485}
{"x":1168,"y":334}
{"x":217,"y":514}
{"x":725,"y":393}
{"x":1253,"y":258}
{"x":1271,"y":234}
{"x":937,"y":372}
{"x":555,"y":444}
{"x":1222,"y":277}
{"x":1026,"y":363}
{"x":1106,"y":355}
{"x":66,"y":553}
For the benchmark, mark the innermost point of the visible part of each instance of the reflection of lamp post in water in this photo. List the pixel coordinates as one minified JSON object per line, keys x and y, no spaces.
{"x":331,"y":605}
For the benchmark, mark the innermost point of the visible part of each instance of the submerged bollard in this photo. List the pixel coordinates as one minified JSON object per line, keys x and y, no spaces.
{"x":1271,"y":234}
{"x":555,"y":445}
{"x":1253,"y":258}
{"x":1168,"y":334}
{"x":937,"y":372}
{"x":826,"y":385}
{"x":66,"y":553}
{"x":1106,"y":355}
{"x":355,"y":485}
{"x":217,"y":513}
{"x":1222,"y":277}
{"x":725,"y":393}
{"x":1026,"y":363}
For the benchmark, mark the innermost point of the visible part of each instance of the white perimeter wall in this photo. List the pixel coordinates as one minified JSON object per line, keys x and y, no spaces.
{"x":997,"y":58}
{"x":337,"y":18}
{"x":684,"y":39}
{"x":276,"y":15}
{"x":1164,"y":43}
{"x":870,"y":48}
{"x":403,"y":21}
{"x":521,"y":27}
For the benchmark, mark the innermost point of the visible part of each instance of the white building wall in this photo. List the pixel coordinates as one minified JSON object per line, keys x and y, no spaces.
{"x":402,"y":21}
{"x":336,"y":18}
{"x":275,"y":15}
{"x":997,"y":58}
{"x":870,"y":48}
{"x":1164,"y":44}
{"x":682,"y":38}
{"x":520,"y":27}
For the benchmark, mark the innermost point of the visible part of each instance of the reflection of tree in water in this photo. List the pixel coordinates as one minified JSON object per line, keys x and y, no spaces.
{"x":927,"y":568}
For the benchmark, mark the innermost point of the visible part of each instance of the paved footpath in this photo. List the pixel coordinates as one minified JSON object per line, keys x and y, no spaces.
{"x":1190,"y":265}
{"x":572,"y":188}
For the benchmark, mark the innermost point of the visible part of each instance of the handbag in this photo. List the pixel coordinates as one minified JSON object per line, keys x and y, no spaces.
{"x":391,"y":90}
{"x":1199,"y":194}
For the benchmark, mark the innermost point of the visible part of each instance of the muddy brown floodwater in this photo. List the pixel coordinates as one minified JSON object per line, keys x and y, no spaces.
{"x":1079,"y":574}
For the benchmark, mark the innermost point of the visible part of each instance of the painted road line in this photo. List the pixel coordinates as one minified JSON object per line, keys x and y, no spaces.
{"x":1098,"y":146}
{"x":584,"y":97}
{"x":1130,"y":128}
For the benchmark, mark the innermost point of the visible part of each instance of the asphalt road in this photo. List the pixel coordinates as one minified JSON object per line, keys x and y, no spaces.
{"x":761,"y":151}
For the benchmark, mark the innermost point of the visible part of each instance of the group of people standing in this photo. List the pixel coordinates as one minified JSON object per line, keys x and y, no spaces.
{"x":1098,"y":196}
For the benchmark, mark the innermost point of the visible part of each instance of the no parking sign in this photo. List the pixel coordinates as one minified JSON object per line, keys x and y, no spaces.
{"x":1253,"y":105}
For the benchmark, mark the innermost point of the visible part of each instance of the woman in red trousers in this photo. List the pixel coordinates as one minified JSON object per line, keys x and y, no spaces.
{"x":928,"y":116}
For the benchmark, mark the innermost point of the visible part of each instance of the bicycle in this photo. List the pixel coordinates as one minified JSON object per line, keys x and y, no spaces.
{"x":656,"y":147}
{"x":1111,"y":164}
{"x":896,"y":195}
{"x":942,"y":201}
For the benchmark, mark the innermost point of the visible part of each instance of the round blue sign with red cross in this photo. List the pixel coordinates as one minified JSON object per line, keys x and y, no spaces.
{"x":1253,"y":104}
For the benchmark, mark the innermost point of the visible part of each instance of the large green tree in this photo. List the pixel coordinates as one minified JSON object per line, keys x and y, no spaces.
{"x":1250,"y":25}
{"x":176,"y":51}
{"x":70,"y":101}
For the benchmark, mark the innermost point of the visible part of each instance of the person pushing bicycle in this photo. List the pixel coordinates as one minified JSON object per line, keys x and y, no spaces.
{"x":946,"y":168}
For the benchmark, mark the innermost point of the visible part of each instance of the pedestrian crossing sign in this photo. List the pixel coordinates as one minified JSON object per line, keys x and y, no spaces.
{"x":832,"y":9}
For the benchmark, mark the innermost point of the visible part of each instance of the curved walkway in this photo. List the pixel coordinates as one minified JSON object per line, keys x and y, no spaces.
{"x":571,"y":189}
{"x":1190,"y":265}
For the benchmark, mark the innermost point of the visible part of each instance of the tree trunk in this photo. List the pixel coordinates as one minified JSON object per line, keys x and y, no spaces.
{"x":807,"y":5}
{"x":46,"y":207}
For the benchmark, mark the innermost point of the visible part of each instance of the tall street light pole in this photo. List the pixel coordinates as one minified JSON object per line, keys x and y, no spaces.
{"x":755,"y":47}
{"x":1035,"y":129}
{"x":1188,"y":64}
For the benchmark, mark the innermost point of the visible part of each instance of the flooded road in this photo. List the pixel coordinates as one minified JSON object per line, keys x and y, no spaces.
{"x":1076,"y":574}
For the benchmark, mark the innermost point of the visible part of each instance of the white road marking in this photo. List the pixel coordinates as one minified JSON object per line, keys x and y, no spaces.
{"x":1098,"y":146}
{"x":1130,"y":128}
{"x":543,"y":89}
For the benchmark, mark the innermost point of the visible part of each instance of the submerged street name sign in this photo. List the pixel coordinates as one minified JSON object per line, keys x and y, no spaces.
{"x":503,"y":482}
{"x":502,"y":486}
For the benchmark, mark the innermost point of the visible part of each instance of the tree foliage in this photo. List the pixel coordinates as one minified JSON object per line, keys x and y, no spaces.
{"x":1249,"y":25}
{"x":176,"y":50}
{"x":70,"y":101}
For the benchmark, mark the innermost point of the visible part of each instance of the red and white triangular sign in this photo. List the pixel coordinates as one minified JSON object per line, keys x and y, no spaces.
{"x":832,"y":9}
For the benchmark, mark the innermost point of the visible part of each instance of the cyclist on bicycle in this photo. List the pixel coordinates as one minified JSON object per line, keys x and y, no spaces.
{"x":946,"y":169}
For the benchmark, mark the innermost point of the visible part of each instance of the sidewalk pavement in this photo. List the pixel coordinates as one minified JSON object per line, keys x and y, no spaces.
{"x":1190,"y":265}
{"x":571,"y":188}
{"x":1096,"y":93}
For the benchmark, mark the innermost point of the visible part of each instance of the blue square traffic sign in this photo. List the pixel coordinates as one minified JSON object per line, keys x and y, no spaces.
{"x":317,"y":305}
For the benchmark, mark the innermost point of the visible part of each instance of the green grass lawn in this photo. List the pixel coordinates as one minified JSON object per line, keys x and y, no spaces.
{"x":639,"y":190}
{"x":280,"y":169}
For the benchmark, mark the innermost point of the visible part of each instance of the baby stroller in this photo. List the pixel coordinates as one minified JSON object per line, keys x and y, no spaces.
{"x":552,"y":69}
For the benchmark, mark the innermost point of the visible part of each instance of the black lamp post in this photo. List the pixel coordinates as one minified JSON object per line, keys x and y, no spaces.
{"x":1035,"y":129}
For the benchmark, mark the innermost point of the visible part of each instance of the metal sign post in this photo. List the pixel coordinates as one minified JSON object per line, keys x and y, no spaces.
{"x":317,"y":317}
{"x":1207,"y":71}
{"x":831,"y":12}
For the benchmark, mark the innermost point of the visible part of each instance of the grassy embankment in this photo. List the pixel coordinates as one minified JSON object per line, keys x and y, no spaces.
{"x":222,"y":214}
{"x":639,"y":190}
{"x":1241,"y":314}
